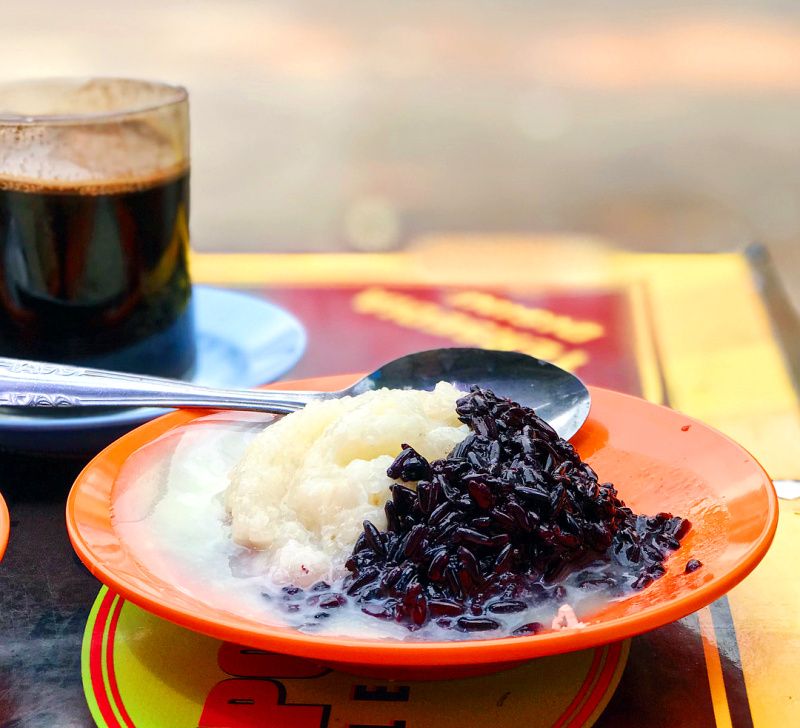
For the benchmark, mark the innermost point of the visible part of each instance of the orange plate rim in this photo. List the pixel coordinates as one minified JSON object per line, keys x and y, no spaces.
{"x":5,"y":526}
{"x":354,"y":651}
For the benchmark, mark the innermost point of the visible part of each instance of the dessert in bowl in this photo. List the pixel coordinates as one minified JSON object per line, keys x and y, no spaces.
{"x":129,"y":523}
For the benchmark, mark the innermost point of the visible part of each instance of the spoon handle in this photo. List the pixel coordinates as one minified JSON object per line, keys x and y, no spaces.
{"x":34,"y":384}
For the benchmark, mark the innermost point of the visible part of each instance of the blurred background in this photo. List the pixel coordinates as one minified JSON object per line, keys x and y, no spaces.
{"x":362,"y":125}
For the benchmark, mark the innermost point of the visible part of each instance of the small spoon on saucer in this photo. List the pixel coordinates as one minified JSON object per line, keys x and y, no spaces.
{"x":558,"y":396}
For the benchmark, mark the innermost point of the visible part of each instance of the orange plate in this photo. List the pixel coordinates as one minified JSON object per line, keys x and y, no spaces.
{"x":5,"y":527}
{"x":659,"y":460}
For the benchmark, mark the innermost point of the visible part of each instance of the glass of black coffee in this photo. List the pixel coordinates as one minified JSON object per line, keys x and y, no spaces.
{"x":94,"y":235}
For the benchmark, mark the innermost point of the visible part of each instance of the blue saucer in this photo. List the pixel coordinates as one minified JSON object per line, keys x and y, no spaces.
{"x":242,"y":341}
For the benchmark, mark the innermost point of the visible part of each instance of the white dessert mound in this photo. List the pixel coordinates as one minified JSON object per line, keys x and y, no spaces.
{"x":306,"y":484}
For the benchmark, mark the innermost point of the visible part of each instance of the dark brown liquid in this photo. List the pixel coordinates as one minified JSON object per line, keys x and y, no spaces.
{"x":97,"y":276}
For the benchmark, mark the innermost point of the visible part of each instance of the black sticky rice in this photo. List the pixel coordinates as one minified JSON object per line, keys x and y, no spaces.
{"x":494,"y":526}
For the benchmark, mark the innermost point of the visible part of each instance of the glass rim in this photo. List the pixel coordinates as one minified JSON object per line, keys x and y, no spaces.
{"x":178,"y":96}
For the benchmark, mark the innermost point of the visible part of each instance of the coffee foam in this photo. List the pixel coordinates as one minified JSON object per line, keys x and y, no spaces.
{"x":92,"y":187}
{"x":92,"y":157}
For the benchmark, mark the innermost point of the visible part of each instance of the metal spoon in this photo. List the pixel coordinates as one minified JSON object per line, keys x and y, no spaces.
{"x":558,"y":397}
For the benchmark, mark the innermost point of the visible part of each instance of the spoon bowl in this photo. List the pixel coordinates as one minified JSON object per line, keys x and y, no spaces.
{"x":558,"y":396}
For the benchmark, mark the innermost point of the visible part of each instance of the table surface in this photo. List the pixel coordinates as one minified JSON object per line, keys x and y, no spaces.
{"x":710,"y":335}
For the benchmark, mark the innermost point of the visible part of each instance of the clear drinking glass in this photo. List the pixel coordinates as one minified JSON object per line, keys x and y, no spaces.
{"x":94,"y":224}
